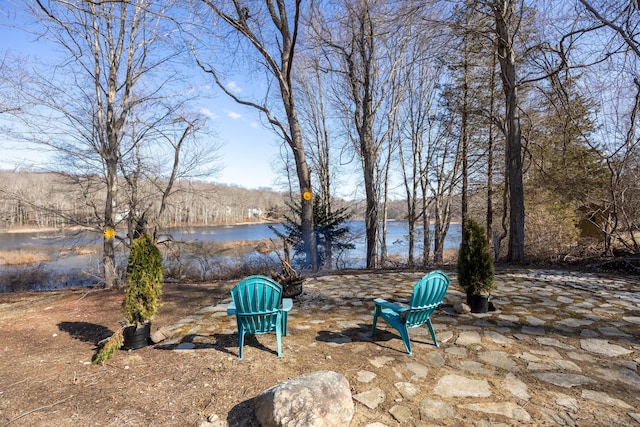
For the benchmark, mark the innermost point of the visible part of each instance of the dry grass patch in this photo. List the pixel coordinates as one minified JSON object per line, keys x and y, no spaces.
{"x":81,"y":251}
{"x":21,"y":257}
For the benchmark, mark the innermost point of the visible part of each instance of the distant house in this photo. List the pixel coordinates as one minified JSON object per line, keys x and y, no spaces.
{"x":254,"y":213}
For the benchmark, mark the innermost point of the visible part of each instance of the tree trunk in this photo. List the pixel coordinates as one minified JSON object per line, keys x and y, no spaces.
{"x":371,"y":211}
{"x":464,"y":138}
{"x":503,"y":11}
{"x":297,"y":147}
{"x":109,"y":256}
{"x":426,"y":226}
{"x":490,"y":149}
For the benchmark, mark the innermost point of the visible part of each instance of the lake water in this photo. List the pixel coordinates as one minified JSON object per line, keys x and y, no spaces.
{"x":62,"y":248}
{"x":396,"y":237}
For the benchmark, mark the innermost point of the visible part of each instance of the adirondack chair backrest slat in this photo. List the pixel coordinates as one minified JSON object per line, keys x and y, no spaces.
{"x":259,"y":323}
{"x":257,"y":300}
{"x":427,"y":296}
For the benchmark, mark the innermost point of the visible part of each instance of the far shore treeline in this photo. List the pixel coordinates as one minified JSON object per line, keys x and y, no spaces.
{"x":43,"y":200}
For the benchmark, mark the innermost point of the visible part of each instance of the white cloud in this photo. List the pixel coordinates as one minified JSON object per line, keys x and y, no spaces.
{"x":208,"y":113}
{"x":233,"y":87}
{"x":234,"y":115}
{"x":254,"y":125}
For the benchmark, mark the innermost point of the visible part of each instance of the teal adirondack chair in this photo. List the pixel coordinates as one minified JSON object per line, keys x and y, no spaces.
{"x":259,"y":308}
{"x":428,"y":294}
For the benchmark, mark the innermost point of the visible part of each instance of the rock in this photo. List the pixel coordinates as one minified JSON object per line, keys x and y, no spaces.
{"x":516,"y":387}
{"x":497,"y":338}
{"x":468,"y":338}
{"x":564,"y":380}
{"x":635,"y":416}
{"x":402,"y":414}
{"x":603,"y":348}
{"x":436,"y":409}
{"x":365,"y":376}
{"x":370,"y":398}
{"x":499,"y":359}
{"x":461,"y":307}
{"x":379,"y":362}
{"x":419,"y":370}
{"x":567,"y":401}
{"x":321,"y":398}
{"x":600,"y":397}
{"x":507,"y":409}
{"x":435,"y":359}
{"x":214,"y":420}
{"x":160,"y":335}
{"x":407,"y":390}
{"x":459,"y":386}
{"x":185,"y":346}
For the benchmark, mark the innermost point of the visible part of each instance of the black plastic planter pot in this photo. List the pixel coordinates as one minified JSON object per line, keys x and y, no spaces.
{"x":478,"y":303}
{"x":292,"y":289}
{"x":136,"y":337}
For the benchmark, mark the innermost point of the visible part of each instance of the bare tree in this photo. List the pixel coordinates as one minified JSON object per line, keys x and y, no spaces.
{"x":419,"y":110}
{"x":152,"y":171}
{"x":269,"y":31}
{"x":363,"y":47}
{"x":615,"y":27}
{"x":507,"y":22}
{"x":519,"y":54}
{"x":445,"y":168}
{"x":11,"y":81}
{"x":97,"y":108}
{"x":315,"y":122}
{"x":472,"y":61}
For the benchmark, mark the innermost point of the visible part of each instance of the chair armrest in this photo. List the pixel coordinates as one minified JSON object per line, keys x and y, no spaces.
{"x":386,"y":304}
{"x":231,"y":308}
{"x":287,"y":304}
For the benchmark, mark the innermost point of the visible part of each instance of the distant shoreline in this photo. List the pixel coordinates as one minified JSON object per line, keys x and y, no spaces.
{"x":18,"y":230}
{"x":33,"y":230}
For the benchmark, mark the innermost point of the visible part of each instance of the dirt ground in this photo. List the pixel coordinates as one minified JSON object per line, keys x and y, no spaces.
{"x":48,"y":339}
{"x":47,"y":343}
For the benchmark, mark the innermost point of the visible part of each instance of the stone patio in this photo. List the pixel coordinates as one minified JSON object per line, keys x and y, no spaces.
{"x":561,"y":349}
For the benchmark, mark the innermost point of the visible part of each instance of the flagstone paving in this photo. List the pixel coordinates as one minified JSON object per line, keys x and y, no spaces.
{"x":561,"y":349}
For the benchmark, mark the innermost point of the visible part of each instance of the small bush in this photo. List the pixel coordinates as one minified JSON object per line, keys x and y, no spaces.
{"x":144,"y":281}
{"x":23,"y":278}
{"x":475,"y":263}
{"x":110,"y":347}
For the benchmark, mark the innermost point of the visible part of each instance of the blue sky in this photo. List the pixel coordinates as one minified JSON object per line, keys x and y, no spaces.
{"x":248,"y":149}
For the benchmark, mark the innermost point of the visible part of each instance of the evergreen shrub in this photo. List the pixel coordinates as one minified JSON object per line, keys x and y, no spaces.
{"x":144,"y":281}
{"x":475,"y":262}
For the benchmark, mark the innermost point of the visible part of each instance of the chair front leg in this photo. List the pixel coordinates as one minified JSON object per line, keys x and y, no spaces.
{"x":279,"y":321}
{"x":240,"y":340}
{"x":376,"y":313}
{"x":284,"y":323}
{"x":432,"y":332}
{"x":404,"y":334}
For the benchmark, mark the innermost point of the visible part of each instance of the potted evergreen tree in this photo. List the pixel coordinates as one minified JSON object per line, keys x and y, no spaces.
{"x":476,"y":272}
{"x":142,"y":291}
{"x":141,"y":302}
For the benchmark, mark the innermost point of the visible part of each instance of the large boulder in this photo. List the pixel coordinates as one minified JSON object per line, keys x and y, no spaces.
{"x":321,"y":399}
